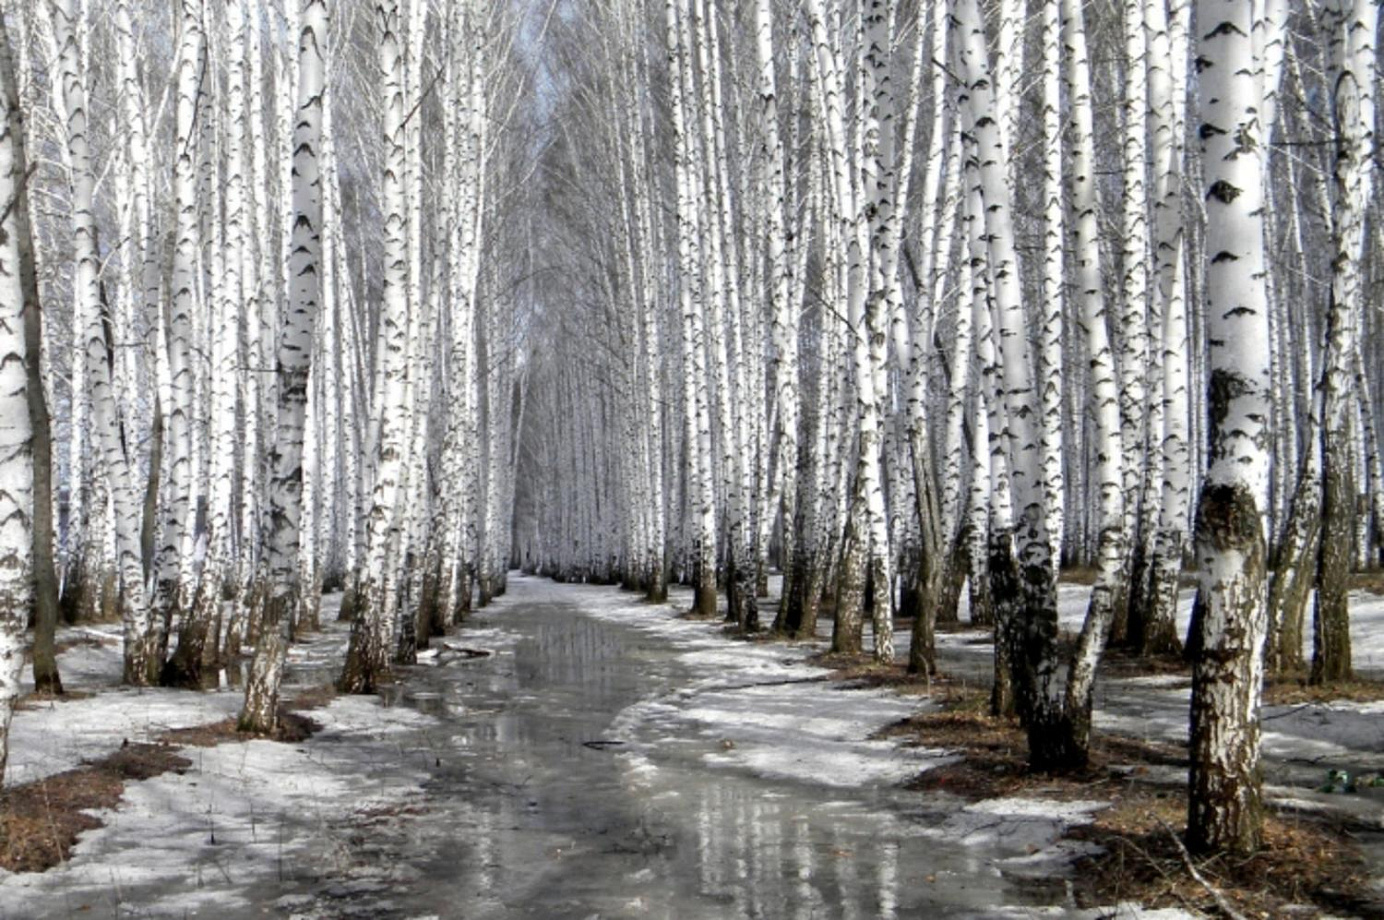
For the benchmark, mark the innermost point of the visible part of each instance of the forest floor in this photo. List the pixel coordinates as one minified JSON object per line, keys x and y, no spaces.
{"x":1324,"y":747}
{"x":750,"y":780}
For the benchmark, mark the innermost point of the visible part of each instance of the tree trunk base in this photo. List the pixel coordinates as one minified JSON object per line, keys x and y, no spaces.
{"x":261,"y":713}
{"x":1060,"y":745}
{"x":367,"y":658}
{"x":47,"y":681}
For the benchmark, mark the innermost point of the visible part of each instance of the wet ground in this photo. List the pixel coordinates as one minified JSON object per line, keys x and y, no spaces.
{"x":570,"y":774}
{"x":574,"y":753}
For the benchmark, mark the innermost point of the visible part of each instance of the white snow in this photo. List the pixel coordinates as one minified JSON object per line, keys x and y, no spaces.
{"x":248,"y":811}
{"x":244,"y":812}
{"x":1072,"y":813}
{"x":50,"y":737}
{"x":1366,"y":622}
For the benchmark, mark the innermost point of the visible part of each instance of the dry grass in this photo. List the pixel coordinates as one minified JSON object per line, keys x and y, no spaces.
{"x":40,"y":821}
{"x":292,"y":729}
{"x":312,"y":698}
{"x":696,"y":617}
{"x":995,"y":754}
{"x":1079,"y":575}
{"x":1304,"y":869}
{"x":1373,"y":582}
{"x":293,"y":725}
{"x":37,"y":699}
{"x":64,"y":645}
{"x":1116,"y":662}
{"x":957,"y":627}
{"x":1307,"y":864}
{"x":860,"y":672}
{"x":1294,"y":690}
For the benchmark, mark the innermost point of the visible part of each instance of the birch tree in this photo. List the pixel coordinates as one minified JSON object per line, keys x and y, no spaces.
{"x":697,"y":411}
{"x":260,"y":713}
{"x":1153,"y":626}
{"x":16,"y":429}
{"x":141,"y":659}
{"x":1112,"y":535}
{"x":1224,"y":801}
{"x":45,"y":665}
{"x":1351,"y":73}
{"x":173,"y":584}
{"x":773,"y":192}
{"x":367,"y":664}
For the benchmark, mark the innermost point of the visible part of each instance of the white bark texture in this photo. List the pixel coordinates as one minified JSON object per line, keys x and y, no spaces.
{"x":294,"y":359}
{"x":373,"y":629}
{"x":140,"y":664}
{"x":1227,"y":679}
{"x":16,"y":430}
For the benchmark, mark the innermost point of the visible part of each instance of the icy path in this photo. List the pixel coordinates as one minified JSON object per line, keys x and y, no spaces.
{"x":607,"y":760}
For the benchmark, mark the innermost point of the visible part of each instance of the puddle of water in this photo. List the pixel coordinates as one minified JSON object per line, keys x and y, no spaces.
{"x":532,"y":811}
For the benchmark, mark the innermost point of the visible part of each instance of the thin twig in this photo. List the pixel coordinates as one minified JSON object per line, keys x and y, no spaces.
{"x":1200,"y":879}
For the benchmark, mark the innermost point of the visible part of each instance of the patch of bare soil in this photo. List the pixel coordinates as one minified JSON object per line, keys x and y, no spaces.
{"x":312,"y":698}
{"x":1086,"y":575}
{"x":1307,"y":867}
{"x":1117,"y":662}
{"x":696,"y":617}
{"x":40,"y":821}
{"x":857,"y":672}
{"x":759,"y":636}
{"x":83,"y":640}
{"x":64,"y":645}
{"x":293,"y":725}
{"x":1079,"y":575}
{"x":1373,"y":582}
{"x":292,"y":729}
{"x":983,"y":633}
{"x":38,"y":698}
{"x":1294,"y":690}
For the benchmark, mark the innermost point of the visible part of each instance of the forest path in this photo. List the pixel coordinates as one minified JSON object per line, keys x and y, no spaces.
{"x":610,"y":760}
{"x":605,"y":758}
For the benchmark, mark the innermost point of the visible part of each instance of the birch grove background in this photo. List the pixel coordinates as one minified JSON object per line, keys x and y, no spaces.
{"x":921,"y":304}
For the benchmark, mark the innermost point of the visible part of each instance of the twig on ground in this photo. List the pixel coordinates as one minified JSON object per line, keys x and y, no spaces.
{"x":1168,"y":881}
{"x":1287,"y":712}
{"x":1216,"y":895}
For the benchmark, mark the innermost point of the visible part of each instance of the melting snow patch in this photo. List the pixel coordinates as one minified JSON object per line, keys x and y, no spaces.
{"x":56,"y":736}
{"x":180,"y":844}
{"x":1158,"y":681}
{"x":364,"y":716}
{"x":1019,"y":828}
{"x":1070,"y":813}
{"x":840,"y":764}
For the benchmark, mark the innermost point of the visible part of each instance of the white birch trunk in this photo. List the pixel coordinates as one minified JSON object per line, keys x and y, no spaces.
{"x":700,"y":474}
{"x":1227,"y":677}
{"x":260,"y":713}
{"x":16,"y":430}
{"x":173,"y":593}
{"x":367,"y":664}
{"x":141,"y":665}
{"x":1112,"y":537}
{"x":1034,"y":635}
{"x":1351,"y":72}
{"x":1167,"y":94}
{"x":1053,"y":287}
